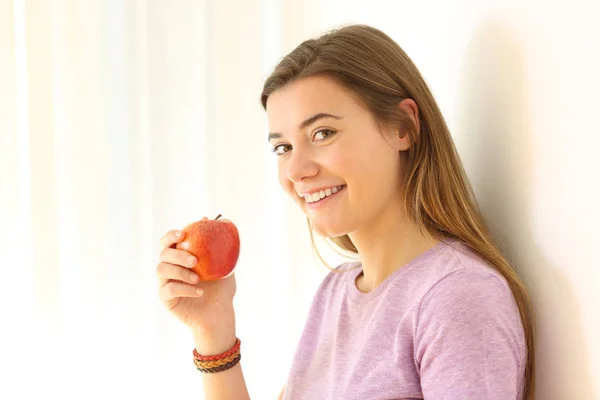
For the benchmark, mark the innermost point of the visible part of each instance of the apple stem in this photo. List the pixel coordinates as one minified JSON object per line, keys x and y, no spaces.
{"x":218,"y":216}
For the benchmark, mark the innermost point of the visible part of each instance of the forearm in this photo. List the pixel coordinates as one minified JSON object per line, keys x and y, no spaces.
{"x":224,"y":385}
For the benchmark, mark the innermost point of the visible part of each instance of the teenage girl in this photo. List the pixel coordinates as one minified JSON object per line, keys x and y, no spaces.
{"x":432,"y":310}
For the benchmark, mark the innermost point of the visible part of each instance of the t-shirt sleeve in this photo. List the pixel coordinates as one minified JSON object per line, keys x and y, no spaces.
{"x":469,"y":342}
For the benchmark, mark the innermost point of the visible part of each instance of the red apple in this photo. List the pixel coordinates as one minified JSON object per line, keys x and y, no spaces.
{"x":215,"y":244}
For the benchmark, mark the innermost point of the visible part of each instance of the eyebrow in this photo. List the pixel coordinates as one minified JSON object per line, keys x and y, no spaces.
{"x":305,"y":124}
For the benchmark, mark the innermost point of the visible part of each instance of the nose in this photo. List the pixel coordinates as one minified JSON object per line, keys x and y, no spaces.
{"x":301,"y":166}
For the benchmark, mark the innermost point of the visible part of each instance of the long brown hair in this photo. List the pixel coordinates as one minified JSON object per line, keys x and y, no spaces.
{"x":438,"y":195}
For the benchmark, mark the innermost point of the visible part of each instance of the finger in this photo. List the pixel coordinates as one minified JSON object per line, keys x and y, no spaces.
{"x":178,"y":257}
{"x":170,"y":238}
{"x":166,"y":271}
{"x":173,"y":290}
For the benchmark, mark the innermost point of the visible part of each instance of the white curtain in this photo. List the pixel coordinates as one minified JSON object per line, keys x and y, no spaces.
{"x":119,"y":121}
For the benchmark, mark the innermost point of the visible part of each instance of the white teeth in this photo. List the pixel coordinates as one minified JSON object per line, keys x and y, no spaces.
{"x":311,"y":198}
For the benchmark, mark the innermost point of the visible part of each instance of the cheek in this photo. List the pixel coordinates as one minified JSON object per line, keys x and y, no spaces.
{"x":377,"y":171}
{"x":339,"y":162}
{"x":357,"y":164}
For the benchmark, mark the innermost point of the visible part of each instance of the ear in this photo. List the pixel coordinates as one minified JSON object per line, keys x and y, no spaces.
{"x":412,"y":110}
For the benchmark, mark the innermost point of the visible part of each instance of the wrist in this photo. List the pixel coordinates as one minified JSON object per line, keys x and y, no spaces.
{"x":214,"y":342}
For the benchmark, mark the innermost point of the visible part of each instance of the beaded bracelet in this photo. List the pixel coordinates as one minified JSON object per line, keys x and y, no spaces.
{"x":218,"y":362}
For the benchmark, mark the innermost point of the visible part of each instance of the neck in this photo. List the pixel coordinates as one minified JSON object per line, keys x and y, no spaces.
{"x":387,"y":245}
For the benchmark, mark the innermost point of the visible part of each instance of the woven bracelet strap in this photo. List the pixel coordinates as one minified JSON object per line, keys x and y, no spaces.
{"x":218,"y":362}
{"x":216,"y":357}
{"x":222,"y":367}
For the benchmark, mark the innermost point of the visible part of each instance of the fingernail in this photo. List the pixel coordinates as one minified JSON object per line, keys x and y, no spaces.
{"x":199,"y":292}
{"x":178,"y":233}
{"x":191,"y":261}
{"x":185,"y":245}
{"x":193,"y":277}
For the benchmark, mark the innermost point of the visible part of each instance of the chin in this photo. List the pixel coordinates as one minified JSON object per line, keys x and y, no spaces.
{"x":328,"y":230}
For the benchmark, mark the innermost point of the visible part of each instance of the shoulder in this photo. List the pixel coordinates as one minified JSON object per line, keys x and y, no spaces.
{"x":465,"y":275}
{"x":333,"y":286}
{"x":468,"y":299}
{"x":469,"y":339}
{"x":328,"y":296}
{"x":448,"y":258}
{"x":447,"y":269}
{"x":337,"y":276}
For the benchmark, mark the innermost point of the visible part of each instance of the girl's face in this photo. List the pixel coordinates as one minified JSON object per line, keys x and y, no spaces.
{"x":333,"y":160}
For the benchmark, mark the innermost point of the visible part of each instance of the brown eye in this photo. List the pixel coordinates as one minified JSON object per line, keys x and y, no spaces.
{"x":281,"y":149}
{"x":323,"y":134}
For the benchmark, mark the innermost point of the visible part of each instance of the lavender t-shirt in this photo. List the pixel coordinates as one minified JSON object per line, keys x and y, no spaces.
{"x":444,"y":326}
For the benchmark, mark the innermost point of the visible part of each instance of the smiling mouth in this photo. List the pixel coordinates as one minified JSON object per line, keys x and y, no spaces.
{"x":323,"y":195}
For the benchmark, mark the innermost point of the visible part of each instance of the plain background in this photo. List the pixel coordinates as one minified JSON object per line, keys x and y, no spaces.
{"x":120,"y":120}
